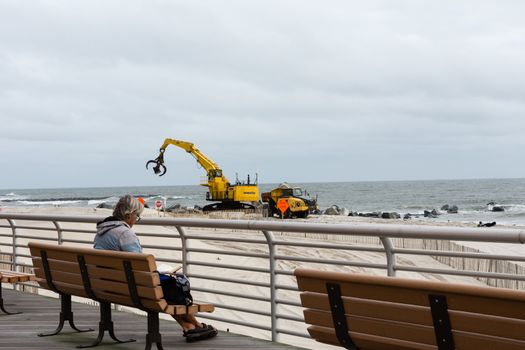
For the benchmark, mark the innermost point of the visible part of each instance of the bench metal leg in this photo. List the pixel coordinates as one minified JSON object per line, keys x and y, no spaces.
{"x":105,"y":324}
{"x":2,"y":304}
{"x":153,"y":335}
{"x":65,"y":315}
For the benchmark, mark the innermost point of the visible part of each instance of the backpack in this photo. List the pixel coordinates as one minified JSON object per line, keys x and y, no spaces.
{"x":176,"y":289}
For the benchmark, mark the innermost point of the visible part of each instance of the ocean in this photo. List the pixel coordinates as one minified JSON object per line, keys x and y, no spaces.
{"x":414,"y":197}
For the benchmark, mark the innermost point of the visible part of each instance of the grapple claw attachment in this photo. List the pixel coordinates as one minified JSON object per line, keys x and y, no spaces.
{"x":159,"y":168}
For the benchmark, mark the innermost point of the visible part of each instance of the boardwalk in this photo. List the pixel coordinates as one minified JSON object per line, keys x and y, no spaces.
{"x":41,"y":314}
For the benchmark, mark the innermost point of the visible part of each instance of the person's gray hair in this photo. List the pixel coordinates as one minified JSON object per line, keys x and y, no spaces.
{"x":127,"y":205}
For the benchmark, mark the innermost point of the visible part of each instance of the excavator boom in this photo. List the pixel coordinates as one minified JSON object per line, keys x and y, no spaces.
{"x":219,"y":187}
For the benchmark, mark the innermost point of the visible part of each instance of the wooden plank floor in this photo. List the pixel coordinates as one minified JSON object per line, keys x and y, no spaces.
{"x":40,"y":314}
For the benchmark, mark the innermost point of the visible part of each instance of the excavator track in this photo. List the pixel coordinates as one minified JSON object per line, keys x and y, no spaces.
{"x":225,"y":206}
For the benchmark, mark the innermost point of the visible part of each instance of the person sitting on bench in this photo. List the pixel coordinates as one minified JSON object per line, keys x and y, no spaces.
{"x":115,"y":233}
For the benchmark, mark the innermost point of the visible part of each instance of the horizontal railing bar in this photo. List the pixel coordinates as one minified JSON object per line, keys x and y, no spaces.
{"x":158,"y":235}
{"x":233,"y":321}
{"x":36,"y":228}
{"x":67,"y":240}
{"x":457,"y":254}
{"x":231,"y":280}
{"x":331,"y":246}
{"x":36,"y":237}
{"x":288,"y":302}
{"x":294,"y":333}
{"x":290,"y":318}
{"x":230,"y":294}
{"x":232,"y":267}
{"x":284,"y":272}
{"x":176,"y":261}
{"x":285,"y":287}
{"x":241,"y":309}
{"x":227,"y":252}
{"x":331,"y":262}
{"x":225,"y":239}
{"x":462,"y":273}
{"x":161,"y":247}
{"x":73,"y":230}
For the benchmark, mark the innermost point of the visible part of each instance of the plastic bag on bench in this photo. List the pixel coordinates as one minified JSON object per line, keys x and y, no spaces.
{"x":176,"y":289}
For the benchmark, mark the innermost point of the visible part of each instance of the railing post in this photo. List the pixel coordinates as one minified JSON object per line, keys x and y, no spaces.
{"x":12,"y":223}
{"x":59,"y":232}
{"x":184,"y":249}
{"x":273,"y":289}
{"x":390,"y":256}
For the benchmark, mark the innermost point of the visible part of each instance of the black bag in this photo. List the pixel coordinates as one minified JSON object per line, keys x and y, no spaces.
{"x":176,"y":289}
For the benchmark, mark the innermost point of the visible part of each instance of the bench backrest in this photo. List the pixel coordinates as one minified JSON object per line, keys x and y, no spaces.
{"x":398,"y":313}
{"x":105,"y":271}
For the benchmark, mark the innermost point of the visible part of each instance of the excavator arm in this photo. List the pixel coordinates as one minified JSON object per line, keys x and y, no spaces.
{"x":212,"y":169}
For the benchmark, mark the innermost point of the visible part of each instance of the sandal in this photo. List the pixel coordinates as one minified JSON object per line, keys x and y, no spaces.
{"x":205,"y":332}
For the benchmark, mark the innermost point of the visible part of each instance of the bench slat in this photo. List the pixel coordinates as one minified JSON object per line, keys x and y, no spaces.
{"x":99,"y":285}
{"x":142,"y":278}
{"x":55,"y":265}
{"x":97,"y":257}
{"x":123,"y":289}
{"x":372,"y":308}
{"x":182,"y":309}
{"x":366,"y":341}
{"x":154,"y":305}
{"x":8,"y":276}
{"x":380,"y":327}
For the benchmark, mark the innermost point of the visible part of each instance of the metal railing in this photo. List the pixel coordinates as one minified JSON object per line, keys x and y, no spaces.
{"x":245,"y":267}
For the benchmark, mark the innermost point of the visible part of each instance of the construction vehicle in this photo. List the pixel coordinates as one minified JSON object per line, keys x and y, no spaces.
{"x":229,"y":196}
{"x":298,"y":204}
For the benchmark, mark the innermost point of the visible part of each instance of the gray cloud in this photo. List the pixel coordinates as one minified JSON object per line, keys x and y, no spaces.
{"x":297,"y":91}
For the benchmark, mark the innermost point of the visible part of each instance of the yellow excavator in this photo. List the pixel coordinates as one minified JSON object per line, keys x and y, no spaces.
{"x":229,"y":196}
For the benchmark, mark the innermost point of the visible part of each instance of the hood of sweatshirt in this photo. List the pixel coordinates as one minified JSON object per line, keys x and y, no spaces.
{"x":110,"y":223}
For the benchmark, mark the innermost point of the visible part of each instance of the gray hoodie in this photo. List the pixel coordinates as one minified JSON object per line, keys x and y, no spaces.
{"x":115,"y":234}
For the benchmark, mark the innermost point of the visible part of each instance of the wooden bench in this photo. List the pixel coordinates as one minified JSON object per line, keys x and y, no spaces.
{"x":372,"y":312}
{"x":107,"y":277}
{"x":7,"y":276}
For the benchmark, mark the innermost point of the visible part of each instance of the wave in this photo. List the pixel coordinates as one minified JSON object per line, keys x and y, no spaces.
{"x":52,"y":203}
{"x":10,"y":197}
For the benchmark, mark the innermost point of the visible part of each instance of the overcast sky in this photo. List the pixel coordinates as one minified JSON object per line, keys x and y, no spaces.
{"x":298,"y":91}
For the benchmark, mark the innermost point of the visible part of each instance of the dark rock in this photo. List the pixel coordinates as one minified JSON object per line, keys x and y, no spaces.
{"x":174,"y":207}
{"x":392,"y":215}
{"x":105,"y":205}
{"x":498,"y":208}
{"x":453,"y":209}
{"x":430,"y":214}
{"x":370,"y":215}
{"x":445,"y":207}
{"x":407,"y":216}
{"x":487,"y":224}
{"x":333,"y":210}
